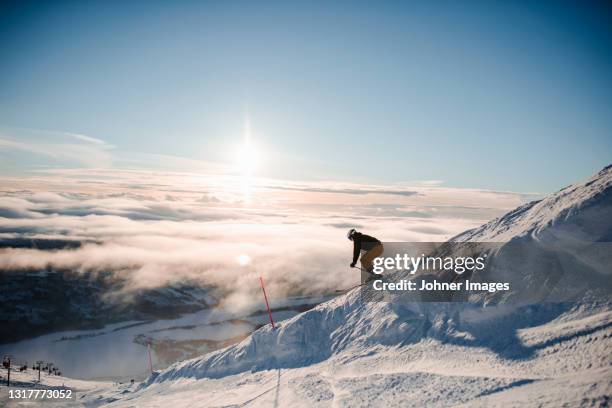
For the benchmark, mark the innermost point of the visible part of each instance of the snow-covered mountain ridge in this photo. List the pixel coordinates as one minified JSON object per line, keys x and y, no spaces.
{"x":584,"y":209}
{"x":350,"y":352}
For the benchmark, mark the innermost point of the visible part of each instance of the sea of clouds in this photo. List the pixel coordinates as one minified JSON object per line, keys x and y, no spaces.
{"x":158,"y":228}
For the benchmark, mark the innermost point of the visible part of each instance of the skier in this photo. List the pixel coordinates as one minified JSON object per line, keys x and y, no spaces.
{"x":371,"y":245}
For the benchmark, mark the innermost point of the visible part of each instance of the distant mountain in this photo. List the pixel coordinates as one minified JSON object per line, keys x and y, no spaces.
{"x":35,"y":302}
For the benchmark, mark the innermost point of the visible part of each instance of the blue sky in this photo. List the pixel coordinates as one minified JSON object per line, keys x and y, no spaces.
{"x":500,"y":95}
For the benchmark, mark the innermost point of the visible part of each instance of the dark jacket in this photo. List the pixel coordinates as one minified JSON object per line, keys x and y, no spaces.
{"x":362,"y":241}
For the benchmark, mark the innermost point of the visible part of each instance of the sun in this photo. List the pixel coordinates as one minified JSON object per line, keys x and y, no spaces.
{"x":247,"y":158}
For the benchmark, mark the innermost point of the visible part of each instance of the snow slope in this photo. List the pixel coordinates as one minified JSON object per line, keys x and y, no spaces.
{"x":581,"y":211}
{"x":29,"y":380}
{"x":557,"y":248}
{"x":350,"y":352}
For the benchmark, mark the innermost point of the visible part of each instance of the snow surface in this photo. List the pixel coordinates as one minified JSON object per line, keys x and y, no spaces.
{"x":29,"y":380}
{"x":349,"y":352}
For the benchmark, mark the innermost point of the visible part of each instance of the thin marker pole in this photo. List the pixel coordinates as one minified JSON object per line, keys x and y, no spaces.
{"x":150,"y":361}
{"x":267,"y":304}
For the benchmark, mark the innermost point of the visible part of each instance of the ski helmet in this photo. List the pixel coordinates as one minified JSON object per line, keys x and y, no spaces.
{"x":350,"y":233}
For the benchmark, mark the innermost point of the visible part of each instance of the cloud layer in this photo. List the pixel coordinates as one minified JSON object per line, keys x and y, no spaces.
{"x":155,"y":228}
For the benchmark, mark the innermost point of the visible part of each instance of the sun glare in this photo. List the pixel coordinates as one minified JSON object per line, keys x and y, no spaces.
{"x":243,"y":259}
{"x":247,"y":157}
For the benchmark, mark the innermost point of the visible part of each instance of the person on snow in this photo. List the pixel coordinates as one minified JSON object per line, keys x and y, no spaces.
{"x":371,"y":245}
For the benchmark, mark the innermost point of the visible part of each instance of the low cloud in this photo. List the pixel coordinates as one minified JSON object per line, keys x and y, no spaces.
{"x":175,"y":227}
{"x":354,"y":191}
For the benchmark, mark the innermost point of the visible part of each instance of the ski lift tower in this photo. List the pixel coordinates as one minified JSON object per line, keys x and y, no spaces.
{"x":6,"y":362}
{"x":39,"y":364}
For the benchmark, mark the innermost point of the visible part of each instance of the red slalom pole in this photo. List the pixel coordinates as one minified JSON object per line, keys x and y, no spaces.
{"x":267,"y":304}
